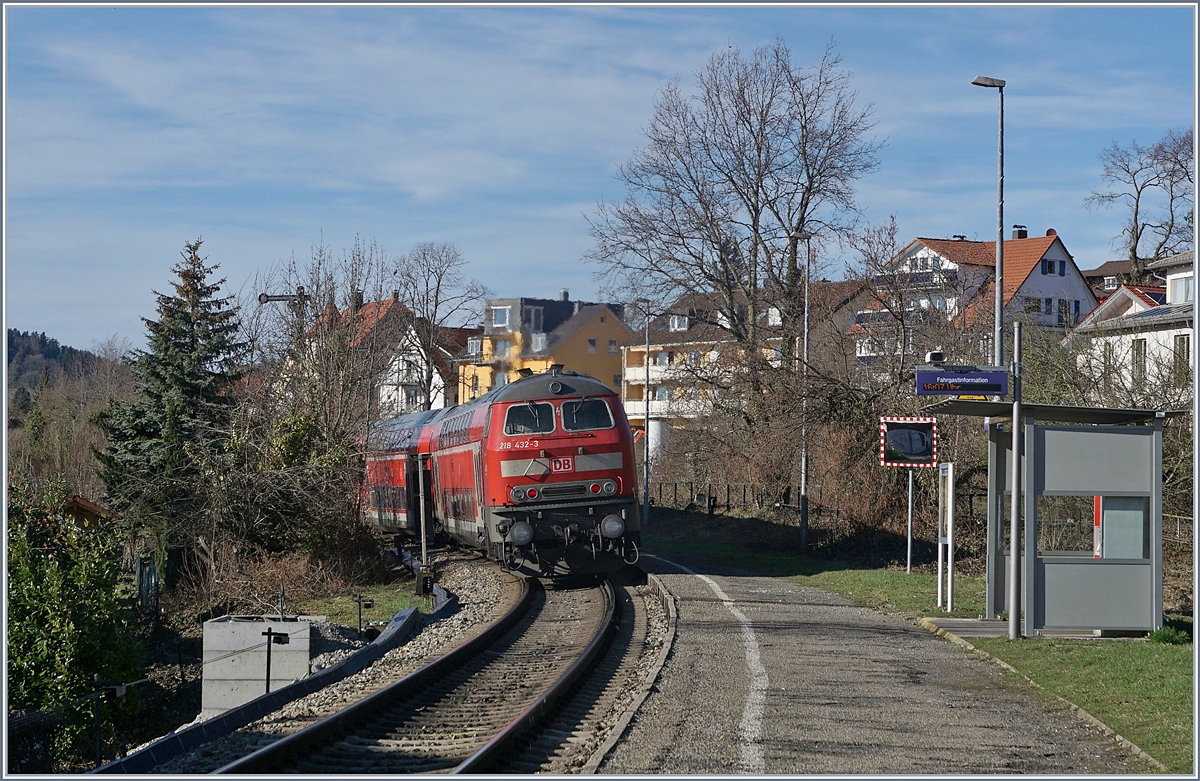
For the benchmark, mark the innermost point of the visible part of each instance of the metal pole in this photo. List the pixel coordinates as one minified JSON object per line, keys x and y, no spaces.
{"x":96,"y":716}
{"x":804,"y":406}
{"x":646,"y":424}
{"x":421,"y":494}
{"x":1014,"y":532}
{"x":908,"y":569}
{"x":269,"y":634}
{"x":950,"y":542}
{"x":998,"y":348}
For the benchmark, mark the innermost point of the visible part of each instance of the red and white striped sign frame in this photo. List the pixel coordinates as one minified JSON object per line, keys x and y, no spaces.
{"x":882,"y":442}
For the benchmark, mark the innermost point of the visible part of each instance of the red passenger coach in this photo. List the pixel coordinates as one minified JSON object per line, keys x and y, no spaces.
{"x":538,"y":473}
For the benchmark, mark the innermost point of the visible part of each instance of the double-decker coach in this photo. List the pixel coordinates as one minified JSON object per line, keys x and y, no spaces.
{"x":538,"y":473}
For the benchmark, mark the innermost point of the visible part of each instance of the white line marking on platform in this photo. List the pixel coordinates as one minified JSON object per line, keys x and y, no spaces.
{"x":750,"y":730}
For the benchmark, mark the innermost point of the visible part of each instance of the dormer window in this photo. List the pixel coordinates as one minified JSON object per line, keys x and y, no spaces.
{"x":678,"y":323}
{"x":500,"y":316}
{"x":533,"y":318}
{"x":774,"y":316}
{"x":1110,"y":283}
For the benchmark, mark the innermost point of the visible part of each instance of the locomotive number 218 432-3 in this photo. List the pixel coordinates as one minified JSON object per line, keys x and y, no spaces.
{"x":518,"y":444}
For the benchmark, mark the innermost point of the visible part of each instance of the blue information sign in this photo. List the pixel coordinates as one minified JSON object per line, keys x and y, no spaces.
{"x":949,"y":382}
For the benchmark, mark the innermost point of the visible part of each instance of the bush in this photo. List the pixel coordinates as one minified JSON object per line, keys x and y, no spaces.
{"x":66,"y":620}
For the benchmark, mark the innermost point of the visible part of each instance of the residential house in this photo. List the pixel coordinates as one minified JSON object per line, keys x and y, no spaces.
{"x":1143,"y":333}
{"x":952,"y":281}
{"x":686,"y":342}
{"x":1107,"y":277}
{"x":533,"y":334}
{"x":387,"y":330}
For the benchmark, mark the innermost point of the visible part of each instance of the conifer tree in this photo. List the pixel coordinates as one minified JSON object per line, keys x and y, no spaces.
{"x":179,"y":415}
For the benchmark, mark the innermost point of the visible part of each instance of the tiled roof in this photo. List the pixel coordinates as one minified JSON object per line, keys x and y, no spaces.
{"x":1167,"y":315}
{"x":1111,"y":268}
{"x":1151,"y":295}
{"x":1172,"y":260}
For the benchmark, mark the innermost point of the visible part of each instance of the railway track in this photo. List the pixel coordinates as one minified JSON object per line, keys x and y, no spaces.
{"x":468,"y":710}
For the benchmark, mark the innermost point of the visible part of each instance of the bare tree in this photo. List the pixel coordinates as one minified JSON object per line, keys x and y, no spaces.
{"x":763,"y":150}
{"x":432,"y":284}
{"x":1156,"y":185}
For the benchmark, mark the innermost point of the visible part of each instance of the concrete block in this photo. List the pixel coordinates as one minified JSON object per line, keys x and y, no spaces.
{"x":235,"y":658}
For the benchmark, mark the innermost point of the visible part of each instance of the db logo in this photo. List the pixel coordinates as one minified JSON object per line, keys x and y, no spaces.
{"x":566,"y":464}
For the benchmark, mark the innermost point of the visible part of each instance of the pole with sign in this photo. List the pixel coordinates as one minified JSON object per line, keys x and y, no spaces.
{"x":946,"y":533}
{"x":912,"y":443}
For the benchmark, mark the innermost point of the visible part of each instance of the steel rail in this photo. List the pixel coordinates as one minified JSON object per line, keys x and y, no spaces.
{"x":487,"y":754}
{"x":280,"y":753}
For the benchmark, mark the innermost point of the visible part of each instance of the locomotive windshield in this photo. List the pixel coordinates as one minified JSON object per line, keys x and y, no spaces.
{"x":586,"y":414}
{"x":529,"y":418}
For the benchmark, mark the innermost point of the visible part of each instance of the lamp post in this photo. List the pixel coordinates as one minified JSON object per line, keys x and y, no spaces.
{"x":645,"y":304}
{"x":997,"y":333}
{"x":796,"y":236}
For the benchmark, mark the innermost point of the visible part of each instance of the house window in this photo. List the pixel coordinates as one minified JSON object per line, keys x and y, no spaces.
{"x":612,"y":347}
{"x":1064,"y":312}
{"x":774,"y":316}
{"x":474,"y":346}
{"x":412,"y":397}
{"x":1049,"y":306}
{"x":662,"y":359}
{"x":936,"y":264}
{"x":1047,"y":266}
{"x":1033,"y":306}
{"x":533,"y":317}
{"x":1107,"y":361}
{"x":1110,"y":283}
{"x":1183,"y":356}
{"x":616,"y":381}
{"x":537,"y":342}
{"x":662,"y":393}
{"x":474,"y":385}
{"x":1062,"y":268}
{"x":693,"y":357}
{"x":501,"y":378}
{"x":500,"y":316}
{"x":591,"y":345}
{"x":678,"y":323}
{"x":1075,"y":307}
{"x":501,"y":348}
{"x":1139,"y":361}
{"x":1181,"y":290}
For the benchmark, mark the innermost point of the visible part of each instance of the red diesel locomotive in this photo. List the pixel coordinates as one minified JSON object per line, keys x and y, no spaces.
{"x":538,"y":473}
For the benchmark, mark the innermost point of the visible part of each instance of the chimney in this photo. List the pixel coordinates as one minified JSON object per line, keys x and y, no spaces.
{"x":1051,"y":232}
{"x":564,"y":295}
{"x":395,"y":295}
{"x":576,"y":308}
{"x":1020,"y":232}
{"x":960,"y":237}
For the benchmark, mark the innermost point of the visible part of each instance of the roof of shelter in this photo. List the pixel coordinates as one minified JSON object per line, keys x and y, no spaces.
{"x":1049,"y":413}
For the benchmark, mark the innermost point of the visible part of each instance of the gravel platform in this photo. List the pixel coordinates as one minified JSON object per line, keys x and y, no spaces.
{"x":768,"y":676}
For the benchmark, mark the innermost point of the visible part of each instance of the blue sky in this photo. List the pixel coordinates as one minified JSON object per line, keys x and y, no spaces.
{"x":132,"y":130}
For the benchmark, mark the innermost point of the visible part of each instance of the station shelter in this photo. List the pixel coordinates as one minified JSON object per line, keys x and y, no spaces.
{"x":1091,"y":500}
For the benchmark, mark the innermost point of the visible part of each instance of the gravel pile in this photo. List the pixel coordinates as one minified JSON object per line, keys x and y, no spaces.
{"x":482,"y":595}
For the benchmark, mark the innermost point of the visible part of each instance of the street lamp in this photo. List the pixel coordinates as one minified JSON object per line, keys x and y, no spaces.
{"x":645,"y":304}
{"x":997,"y":334}
{"x":796,"y":236}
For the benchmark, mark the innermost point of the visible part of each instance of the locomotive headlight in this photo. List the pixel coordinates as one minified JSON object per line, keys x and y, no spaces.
{"x":608,"y":487}
{"x":518,"y":494}
{"x":612,"y":527}
{"x":522,"y":533}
